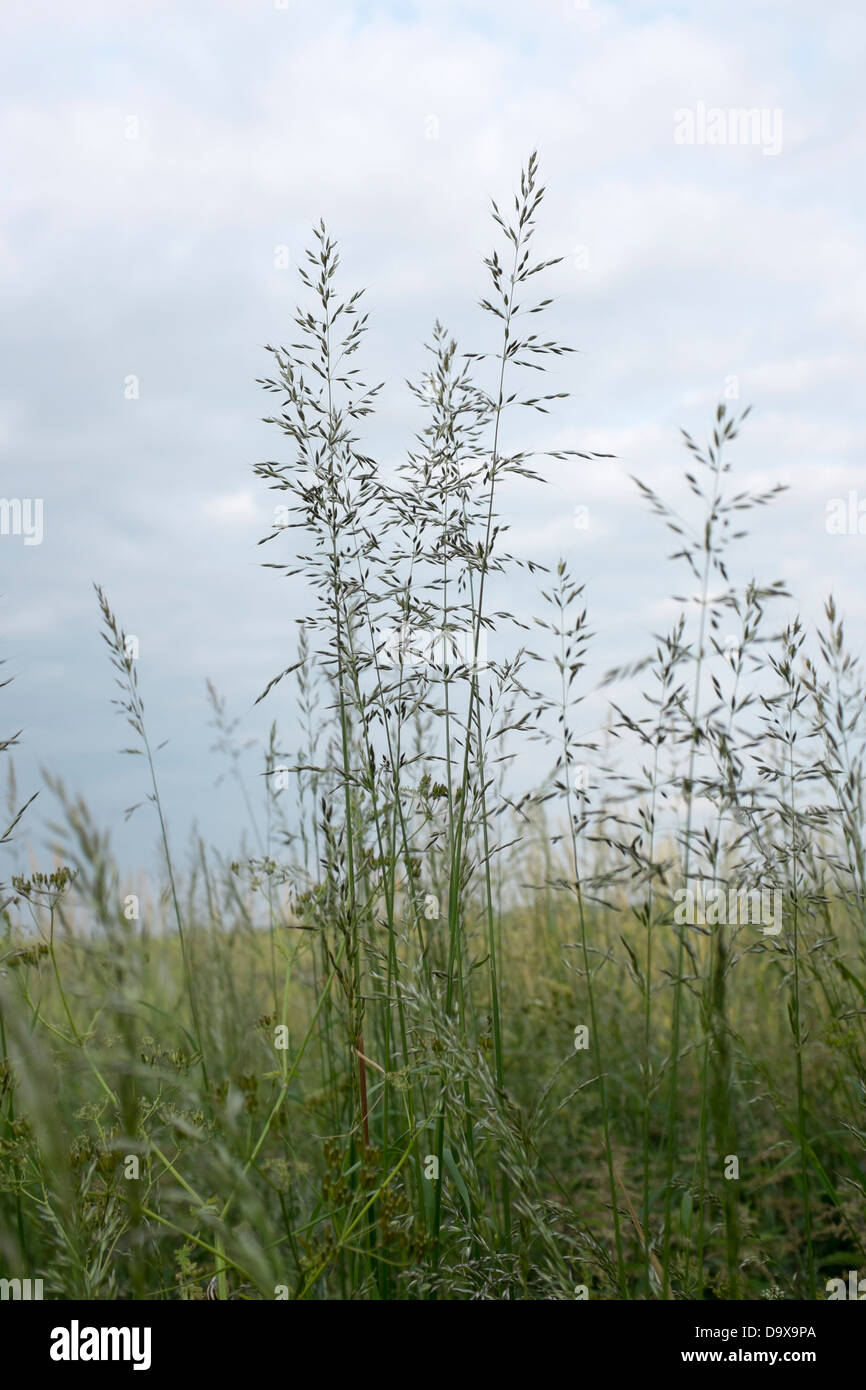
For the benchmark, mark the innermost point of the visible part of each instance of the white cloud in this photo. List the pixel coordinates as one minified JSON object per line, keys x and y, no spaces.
{"x":155,"y":256}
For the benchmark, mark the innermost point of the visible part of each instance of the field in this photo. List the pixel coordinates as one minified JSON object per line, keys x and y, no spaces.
{"x":437,"y":1036}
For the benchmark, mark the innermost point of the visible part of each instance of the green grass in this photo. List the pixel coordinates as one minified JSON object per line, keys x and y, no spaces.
{"x":438,"y":1037}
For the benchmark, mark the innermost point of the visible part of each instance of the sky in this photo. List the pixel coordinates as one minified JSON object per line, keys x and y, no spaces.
{"x":162,"y":165}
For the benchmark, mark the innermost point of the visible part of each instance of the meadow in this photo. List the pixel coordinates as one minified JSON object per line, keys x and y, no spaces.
{"x":432,"y":1035}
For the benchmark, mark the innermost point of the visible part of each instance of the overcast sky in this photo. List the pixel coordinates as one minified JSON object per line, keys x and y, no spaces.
{"x":156,"y":156}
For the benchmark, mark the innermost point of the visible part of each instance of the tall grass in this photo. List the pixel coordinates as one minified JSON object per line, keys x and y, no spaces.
{"x":433,"y":1033}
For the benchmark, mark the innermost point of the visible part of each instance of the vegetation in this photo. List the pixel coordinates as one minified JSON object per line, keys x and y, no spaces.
{"x":437,"y":1035}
